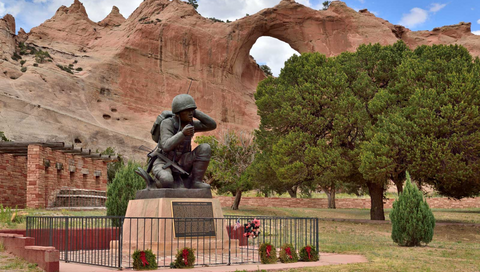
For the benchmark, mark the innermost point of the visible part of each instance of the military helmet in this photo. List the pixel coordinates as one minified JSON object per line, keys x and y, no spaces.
{"x":183,"y":102}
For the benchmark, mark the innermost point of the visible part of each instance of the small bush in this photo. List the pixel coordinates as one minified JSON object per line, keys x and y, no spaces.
{"x":216,"y":20}
{"x":149,"y":256}
{"x":79,"y":69}
{"x":24,"y":69}
{"x":35,"y":64}
{"x":22,"y":62}
{"x":41,"y":56}
{"x":180,"y":258}
{"x":16,"y":57}
{"x":65,"y":68}
{"x":265,"y":257}
{"x":305,"y":257}
{"x":288,"y":254}
{"x":3,"y":138}
{"x":412,"y":220}
{"x":123,"y":189}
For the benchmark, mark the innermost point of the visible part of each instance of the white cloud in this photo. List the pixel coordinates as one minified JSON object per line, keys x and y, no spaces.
{"x":476,"y":32}
{"x":232,"y":10}
{"x":32,"y":13}
{"x":416,"y":17}
{"x":273,"y":52}
{"x":376,"y":13}
{"x":478,"y":21}
{"x":435,"y":7}
{"x":362,"y":1}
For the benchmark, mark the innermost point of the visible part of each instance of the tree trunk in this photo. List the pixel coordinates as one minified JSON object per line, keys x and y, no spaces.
{"x":292,"y":192}
{"x":376,"y":198}
{"x":331,"y":198}
{"x":236,"y":202}
{"x":398,"y":180}
{"x":399,"y":187}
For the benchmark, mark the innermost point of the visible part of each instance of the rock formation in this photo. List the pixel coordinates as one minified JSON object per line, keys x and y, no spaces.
{"x":131,"y":69}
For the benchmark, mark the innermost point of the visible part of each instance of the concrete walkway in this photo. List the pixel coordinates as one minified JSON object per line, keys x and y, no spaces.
{"x":325,"y":259}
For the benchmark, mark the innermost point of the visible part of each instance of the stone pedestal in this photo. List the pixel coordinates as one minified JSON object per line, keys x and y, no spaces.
{"x":150,"y":224}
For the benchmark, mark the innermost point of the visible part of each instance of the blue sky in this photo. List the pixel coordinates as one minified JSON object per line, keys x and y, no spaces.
{"x":416,"y":15}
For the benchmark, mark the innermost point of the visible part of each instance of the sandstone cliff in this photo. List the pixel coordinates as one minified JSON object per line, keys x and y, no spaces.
{"x":132,"y":68}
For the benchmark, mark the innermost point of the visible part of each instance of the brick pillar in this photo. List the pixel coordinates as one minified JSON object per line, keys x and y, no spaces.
{"x":35,"y":177}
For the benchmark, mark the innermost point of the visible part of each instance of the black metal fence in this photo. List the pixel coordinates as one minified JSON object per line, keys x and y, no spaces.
{"x":111,"y":241}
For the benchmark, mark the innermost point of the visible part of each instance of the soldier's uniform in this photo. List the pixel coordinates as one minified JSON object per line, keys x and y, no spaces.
{"x":177,"y":147}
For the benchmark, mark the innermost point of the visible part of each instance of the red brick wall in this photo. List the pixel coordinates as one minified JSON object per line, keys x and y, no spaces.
{"x":13,"y":177}
{"x":343,"y":203}
{"x":46,"y":182}
{"x":26,"y":182}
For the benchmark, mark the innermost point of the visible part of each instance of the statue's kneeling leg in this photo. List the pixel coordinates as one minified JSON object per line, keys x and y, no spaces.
{"x":163,"y":177}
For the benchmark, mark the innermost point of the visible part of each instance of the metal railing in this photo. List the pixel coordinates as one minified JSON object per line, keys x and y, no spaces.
{"x":110,"y":241}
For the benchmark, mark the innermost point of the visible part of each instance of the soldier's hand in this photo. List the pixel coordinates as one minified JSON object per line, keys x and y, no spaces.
{"x":188,"y":130}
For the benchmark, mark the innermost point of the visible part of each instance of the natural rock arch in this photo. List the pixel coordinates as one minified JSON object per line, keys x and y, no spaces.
{"x":147,"y":59}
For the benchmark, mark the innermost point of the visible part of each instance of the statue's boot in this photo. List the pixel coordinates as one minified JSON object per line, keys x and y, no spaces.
{"x":196,"y":177}
{"x":148,"y":179}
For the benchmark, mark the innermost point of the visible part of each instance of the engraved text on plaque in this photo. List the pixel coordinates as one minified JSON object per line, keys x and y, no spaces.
{"x":193,"y":219}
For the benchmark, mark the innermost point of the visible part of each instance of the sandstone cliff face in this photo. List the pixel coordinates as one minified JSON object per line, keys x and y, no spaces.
{"x":7,"y":36}
{"x":132,"y":69}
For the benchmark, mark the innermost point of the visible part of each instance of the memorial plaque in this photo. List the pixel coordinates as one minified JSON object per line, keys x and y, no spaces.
{"x":193,"y":219}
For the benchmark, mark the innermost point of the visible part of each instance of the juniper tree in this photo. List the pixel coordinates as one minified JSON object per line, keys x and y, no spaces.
{"x":412,"y":220}
{"x":232,"y":155}
{"x":123,"y":189}
{"x":365,"y":117}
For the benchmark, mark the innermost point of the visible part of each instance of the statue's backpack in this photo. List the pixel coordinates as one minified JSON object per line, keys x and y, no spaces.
{"x":156,"y":125}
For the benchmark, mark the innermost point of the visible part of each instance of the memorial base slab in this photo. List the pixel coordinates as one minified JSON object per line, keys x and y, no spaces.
{"x":165,"y":225}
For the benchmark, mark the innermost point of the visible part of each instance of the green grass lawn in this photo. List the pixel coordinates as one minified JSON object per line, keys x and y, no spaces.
{"x":441,"y":215}
{"x":454,"y":248}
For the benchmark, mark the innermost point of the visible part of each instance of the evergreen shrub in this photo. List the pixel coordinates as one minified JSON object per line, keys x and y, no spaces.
{"x":412,"y":220}
{"x":123,"y":189}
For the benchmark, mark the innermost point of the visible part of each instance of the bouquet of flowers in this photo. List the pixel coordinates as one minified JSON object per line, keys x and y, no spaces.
{"x":252,"y":228}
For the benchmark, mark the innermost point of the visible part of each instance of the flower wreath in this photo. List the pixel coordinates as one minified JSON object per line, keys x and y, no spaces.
{"x":144,"y":260}
{"x":308,"y":254}
{"x":185,"y":258}
{"x":251,"y":229}
{"x":288,"y":254}
{"x":268,"y":253}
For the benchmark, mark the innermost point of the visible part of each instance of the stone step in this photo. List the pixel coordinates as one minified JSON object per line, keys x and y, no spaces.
{"x":71,"y":198}
{"x":82,"y":192}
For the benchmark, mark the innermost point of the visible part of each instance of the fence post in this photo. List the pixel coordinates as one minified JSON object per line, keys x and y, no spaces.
{"x":50,"y":232}
{"x":120,"y":243}
{"x":316,"y":235}
{"x":229,"y":241}
{"x":66,"y":239}
{"x":27,"y":234}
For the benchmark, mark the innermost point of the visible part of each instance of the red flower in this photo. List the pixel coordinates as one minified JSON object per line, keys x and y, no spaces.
{"x":185,"y":256}
{"x":269,"y":248}
{"x":308,"y":249}
{"x":143,"y":258}
{"x":289,"y":253}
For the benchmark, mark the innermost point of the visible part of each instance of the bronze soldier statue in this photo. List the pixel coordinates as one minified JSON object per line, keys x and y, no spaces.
{"x":174,"y":164}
